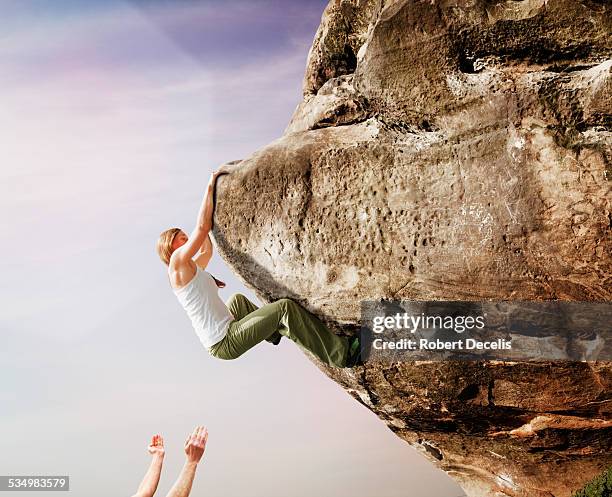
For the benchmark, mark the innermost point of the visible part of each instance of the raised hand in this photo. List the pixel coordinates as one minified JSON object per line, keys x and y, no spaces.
{"x":227,"y":168}
{"x":196,"y":444}
{"x":218,"y":172}
{"x":156,"y":447}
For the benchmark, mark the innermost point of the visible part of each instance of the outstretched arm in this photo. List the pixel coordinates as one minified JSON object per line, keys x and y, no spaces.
{"x":207,"y":246}
{"x":194,"y":449}
{"x":204,"y":221}
{"x":205,"y":254}
{"x":148,"y":486}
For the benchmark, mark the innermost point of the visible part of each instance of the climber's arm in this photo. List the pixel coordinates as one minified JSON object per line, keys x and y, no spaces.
{"x":203,"y":225}
{"x":205,"y":254}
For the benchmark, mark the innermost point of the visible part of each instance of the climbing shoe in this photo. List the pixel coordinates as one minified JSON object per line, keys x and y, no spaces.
{"x":275,"y":338}
{"x":354,"y":353}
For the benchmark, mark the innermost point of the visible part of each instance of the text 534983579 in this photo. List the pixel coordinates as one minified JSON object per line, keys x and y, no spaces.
{"x":31,"y":483}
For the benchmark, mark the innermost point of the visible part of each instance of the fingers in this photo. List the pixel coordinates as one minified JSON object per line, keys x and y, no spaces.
{"x":198,"y":437}
{"x":202,"y":437}
{"x":194,"y":435}
{"x":224,"y":169}
{"x":196,"y":444}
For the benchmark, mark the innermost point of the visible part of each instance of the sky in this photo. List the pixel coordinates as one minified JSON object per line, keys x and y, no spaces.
{"x":113,"y":115}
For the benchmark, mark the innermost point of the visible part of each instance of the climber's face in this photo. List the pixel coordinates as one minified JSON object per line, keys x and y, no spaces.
{"x":179,"y":240}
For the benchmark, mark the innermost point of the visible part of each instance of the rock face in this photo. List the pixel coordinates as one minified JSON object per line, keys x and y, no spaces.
{"x":448,"y":150}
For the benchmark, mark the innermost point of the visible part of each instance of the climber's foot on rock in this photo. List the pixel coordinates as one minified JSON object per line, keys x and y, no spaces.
{"x":275,"y":338}
{"x":354,"y":353}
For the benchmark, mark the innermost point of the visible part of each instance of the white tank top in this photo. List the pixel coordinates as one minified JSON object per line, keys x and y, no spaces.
{"x":209,"y":315}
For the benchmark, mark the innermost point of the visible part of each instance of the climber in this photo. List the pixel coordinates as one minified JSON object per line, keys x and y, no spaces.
{"x":229,"y":330}
{"x":194,"y":450}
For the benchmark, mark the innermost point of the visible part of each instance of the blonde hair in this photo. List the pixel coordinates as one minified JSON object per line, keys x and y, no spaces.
{"x":164,"y":244}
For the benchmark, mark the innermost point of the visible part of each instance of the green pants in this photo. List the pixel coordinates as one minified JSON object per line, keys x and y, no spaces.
{"x":253,"y":325}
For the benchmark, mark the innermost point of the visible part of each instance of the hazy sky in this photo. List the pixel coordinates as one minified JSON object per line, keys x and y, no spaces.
{"x":112,"y":116}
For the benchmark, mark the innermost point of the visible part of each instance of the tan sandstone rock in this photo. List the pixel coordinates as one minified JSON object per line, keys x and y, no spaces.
{"x":448,"y":150}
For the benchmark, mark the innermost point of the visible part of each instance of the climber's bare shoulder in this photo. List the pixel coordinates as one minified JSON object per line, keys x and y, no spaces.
{"x":181,"y":270}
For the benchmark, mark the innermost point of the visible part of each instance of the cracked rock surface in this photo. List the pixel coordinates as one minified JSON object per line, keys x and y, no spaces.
{"x":448,"y":150}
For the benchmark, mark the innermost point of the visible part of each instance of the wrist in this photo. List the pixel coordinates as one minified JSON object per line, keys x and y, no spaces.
{"x":158,"y":455}
{"x":191,"y":464}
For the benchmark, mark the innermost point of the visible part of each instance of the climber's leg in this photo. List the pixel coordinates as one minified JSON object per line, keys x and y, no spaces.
{"x":240,"y":306}
{"x":247,"y":332}
{"x":311,"y":334}
{"x":292,"y":321}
